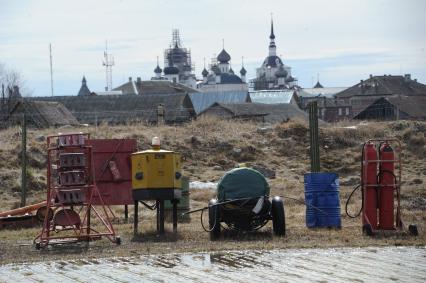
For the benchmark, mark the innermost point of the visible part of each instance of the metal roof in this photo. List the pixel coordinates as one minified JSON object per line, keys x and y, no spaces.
{"x":203,"y":100}
{"x":385,"y":85}
{"x":272,"y":96}
{"x":328,"y":92}
{"x":272,"y":112}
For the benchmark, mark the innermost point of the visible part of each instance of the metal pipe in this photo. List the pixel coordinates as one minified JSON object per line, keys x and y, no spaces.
{"x":23,"y":210}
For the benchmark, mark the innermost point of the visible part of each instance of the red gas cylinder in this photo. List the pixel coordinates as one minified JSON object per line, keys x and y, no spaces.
{"x":369,"y":183}
{"x":386,"y":187}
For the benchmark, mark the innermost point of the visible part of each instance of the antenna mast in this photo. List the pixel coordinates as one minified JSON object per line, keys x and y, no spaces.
{"x":51,"y":69}
{"x":108,"y":63}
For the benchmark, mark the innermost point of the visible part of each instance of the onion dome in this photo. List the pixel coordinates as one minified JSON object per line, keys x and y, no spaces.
{"x":158,"y":70}
{"x":227,"y":78}
{"x":171,"y":70}
{"x":223,"y":57}
{"x":281,"y":73}
{"x":272,"y":61}
{"x":243,"y":71}
{"x":204,"y":72}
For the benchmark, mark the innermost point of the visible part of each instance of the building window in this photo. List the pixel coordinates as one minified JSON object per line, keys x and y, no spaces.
{"x":323,"y":113}
{"x":347,"y":111}
{"x":340,"y":111}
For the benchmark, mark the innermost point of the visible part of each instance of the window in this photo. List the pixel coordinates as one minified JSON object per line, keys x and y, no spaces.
{"x":347,"y":111}
{"x":340,"y":111}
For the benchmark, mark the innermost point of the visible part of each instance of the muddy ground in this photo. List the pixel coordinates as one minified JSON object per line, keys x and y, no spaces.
{"x":211,"y":147}
{"x":402,"y":264}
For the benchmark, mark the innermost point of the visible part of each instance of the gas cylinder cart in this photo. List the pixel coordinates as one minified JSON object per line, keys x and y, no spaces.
{"x":243,"y":204}
{"x":381,"y":173}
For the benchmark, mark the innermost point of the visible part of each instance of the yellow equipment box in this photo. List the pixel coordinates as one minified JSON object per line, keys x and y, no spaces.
{"x":156,"y":169}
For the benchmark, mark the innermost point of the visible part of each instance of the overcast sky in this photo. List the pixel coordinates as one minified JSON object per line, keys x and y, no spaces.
{"x":344,"y":41}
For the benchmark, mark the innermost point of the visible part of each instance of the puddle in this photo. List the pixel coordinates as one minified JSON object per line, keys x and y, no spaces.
{"x":406,"y":264}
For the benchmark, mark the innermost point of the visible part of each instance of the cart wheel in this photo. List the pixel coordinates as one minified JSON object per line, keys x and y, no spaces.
{"x":118,"y":240}
{"x":214,"y":220}
{"x":278,"y":216}
{"x":413,"y":230}
{"x":367,"y":230}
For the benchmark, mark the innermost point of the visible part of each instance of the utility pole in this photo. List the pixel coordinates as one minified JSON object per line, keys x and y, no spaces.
{"x":51,"y":69}
{"x":24,"y":161}
{"x":313,"y":137}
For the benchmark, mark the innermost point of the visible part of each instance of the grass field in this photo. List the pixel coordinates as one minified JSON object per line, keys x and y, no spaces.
{"x":211,"y":147}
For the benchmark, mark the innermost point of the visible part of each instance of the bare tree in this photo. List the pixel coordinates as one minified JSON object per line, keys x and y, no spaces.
{"x":10,"y":78}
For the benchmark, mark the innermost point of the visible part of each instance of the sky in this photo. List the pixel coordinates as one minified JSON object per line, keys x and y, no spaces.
{"x":341,"y":41}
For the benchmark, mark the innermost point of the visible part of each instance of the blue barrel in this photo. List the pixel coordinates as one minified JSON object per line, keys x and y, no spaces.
{"x":322,"y":192}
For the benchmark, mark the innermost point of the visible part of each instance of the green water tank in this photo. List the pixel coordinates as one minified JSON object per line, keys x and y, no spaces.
{"x":242,"y":183}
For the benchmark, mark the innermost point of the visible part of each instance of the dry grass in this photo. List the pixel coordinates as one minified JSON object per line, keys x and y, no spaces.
{"x":211,"y":147}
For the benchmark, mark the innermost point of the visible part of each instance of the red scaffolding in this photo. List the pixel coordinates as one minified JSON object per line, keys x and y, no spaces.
{"x":71,"y":191}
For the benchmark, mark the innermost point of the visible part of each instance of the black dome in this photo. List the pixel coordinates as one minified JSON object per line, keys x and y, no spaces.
{"x":223,"y":57}
{"x":271,"y":61}
{"x":158,"y":70}
{"x":171,"y":70}
{"x":230,"y":79}
{"x":243,"y":71}
{"x":204,"y":72}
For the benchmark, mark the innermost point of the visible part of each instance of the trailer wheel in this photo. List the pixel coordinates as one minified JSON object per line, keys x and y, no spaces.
{"x":413,"y":230}
{"x":367,"y":230}
{"x":118,"y":240}
{"x":214,"y":220}
{"x":278,"y":216}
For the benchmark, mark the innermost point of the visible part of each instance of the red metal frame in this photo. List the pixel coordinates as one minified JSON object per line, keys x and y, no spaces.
{"x":73,"y":194}
{"x":397,"y":162}
{"x":113,"y":174}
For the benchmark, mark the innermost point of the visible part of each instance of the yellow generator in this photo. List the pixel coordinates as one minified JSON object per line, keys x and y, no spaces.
{"x":156,"y":175}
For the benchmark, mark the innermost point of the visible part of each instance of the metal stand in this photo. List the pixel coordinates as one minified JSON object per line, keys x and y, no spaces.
{"x":71,"y":190}
{"x":159,"y":195}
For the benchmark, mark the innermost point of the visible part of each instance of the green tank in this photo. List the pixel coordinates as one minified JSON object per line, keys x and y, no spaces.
{"x":242,"y":183}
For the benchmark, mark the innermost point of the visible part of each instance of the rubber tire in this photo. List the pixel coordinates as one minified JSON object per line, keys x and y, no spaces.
{"x":118,"y":240}
{"x":278,"y":216}
{"x":38,"y":246}
{"x":413,"y":230}
{"x":214,"y":220}
{"x":367,"y":230}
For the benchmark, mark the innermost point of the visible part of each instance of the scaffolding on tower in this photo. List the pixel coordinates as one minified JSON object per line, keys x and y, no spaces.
{"x":178,"y":56}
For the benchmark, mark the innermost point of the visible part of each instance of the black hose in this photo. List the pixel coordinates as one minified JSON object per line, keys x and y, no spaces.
{"x":202,"y":223}
{"x":349,"y":198}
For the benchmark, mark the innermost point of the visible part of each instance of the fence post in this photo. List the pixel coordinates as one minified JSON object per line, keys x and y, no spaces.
{"x":313,"y":137}
{"x":24,"y":161}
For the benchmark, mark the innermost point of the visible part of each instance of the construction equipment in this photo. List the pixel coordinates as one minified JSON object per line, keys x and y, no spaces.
{"x":381,"y":171}
{"x":243,"y":204}
{"x":71,"y":189}
{"x":26,"y":216}
{"x":156,"y":175}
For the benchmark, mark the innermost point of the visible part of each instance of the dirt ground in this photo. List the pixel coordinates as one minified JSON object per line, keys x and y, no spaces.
{"x":211,"y":147}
